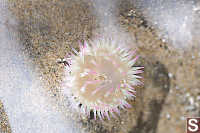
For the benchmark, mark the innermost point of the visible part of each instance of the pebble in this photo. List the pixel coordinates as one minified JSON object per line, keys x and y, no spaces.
{"x":193,"y":56}
{"x":177,"y":88}
{"x":198,"y":98}
{"x":191,"y":101}
{"x":187,"y":94}
{"x":168,"y":116}
{"x":170,"y":75}
{"x":182,"y":118}
{"x":164,"y":40}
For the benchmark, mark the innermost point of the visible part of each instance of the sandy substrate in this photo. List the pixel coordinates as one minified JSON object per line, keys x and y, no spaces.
{"x":171,"y":90}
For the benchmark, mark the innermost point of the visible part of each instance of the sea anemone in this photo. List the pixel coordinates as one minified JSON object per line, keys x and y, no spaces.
{"x":101,"y":77}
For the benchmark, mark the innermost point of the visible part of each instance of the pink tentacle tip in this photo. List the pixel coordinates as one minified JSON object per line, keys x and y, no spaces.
{"x":97,"y":107}
{"x":140,"y":67}
{"x":107,"y":115}
{"x":133,"y":52}
{"x":138,"y":71}
{"x":140,"y":83}
{"x":85,"y":44}
{"x":136,"y":58}
{"x":131,"y":94}
{"x":124,"y":73}
{"x":127,"y":105}
{"x":118,"y":48}
{"x":117,"y":111}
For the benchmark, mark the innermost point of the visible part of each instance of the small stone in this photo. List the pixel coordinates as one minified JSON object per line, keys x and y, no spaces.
{"x":168,"y":116}
{"x":177,"y":88}
{"x":198,"y":98}
{"x":187,"y":94}
{"x":165,"y":86}
{"x":164,"y":40}
{"x":182,"y":118}
{"x":193,"y":56}
{"x":170,"y":75}
{"x":191,"y":100}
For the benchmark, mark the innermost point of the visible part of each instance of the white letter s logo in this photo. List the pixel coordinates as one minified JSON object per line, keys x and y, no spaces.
{"x":192,"y":125}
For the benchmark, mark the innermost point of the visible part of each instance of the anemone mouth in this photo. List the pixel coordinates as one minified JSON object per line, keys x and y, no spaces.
{"x":102,"y":77}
